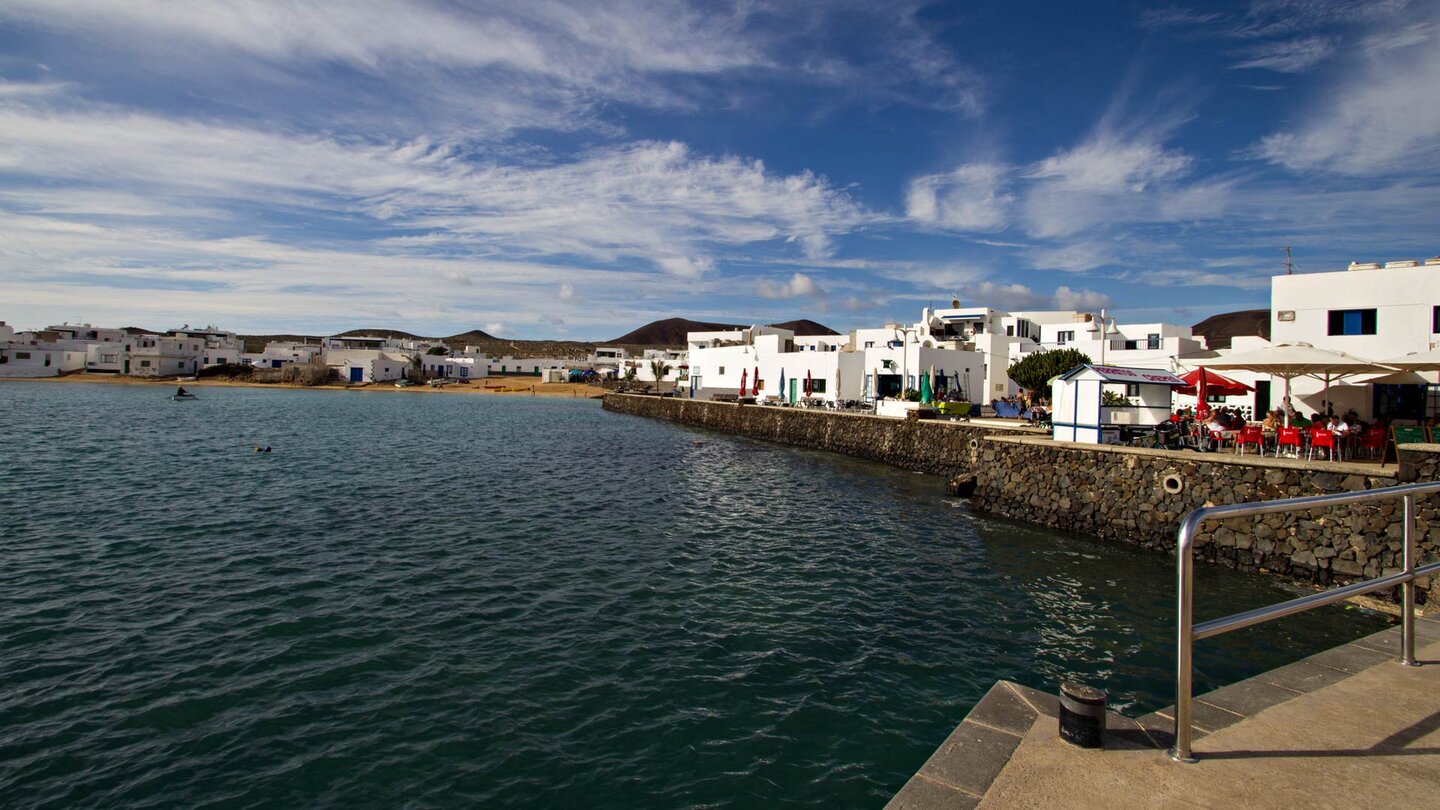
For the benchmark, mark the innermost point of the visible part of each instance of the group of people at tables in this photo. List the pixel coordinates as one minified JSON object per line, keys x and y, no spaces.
{"x":1331,"y":433}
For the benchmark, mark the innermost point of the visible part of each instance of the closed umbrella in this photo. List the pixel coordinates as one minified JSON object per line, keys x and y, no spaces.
{"x":755,"y":383}
{"x":926,"y":395}
{"x":809,"y":383}
{"x":744,"y":375}
{"x":782,"y":386}
{"x":1202,"y":399}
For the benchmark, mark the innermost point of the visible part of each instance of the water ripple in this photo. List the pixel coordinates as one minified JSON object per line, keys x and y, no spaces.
{"x":421,"y":601}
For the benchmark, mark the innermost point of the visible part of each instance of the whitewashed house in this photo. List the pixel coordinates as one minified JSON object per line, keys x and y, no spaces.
{"x":284,"y":353}
{"x":219,"y":346}
{"x":367,"y":365}
{"x":455,"y":367}
{"x":1371,"y":310}
{"x":26,"y":360}
{"x":868,"y":364}
{"x":524,"y":365}
{"x":165,"y":356}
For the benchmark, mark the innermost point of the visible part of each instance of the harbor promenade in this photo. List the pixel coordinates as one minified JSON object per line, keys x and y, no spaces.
{"x":1349,"y":727}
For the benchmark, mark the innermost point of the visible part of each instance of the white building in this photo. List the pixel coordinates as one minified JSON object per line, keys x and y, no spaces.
{"x":367,"y":365}
{"x":675,"y":360}
{"x":24,"y":360}
{"x":281,"y":354}
{"x":218,"y":346}
{"x":1370,"y":310}
{"x":869,"y":364}
{"x":1003,"y":338}
{"x":165,"y":356}
{"x":455,"y":367}
{"x":525,"y":365}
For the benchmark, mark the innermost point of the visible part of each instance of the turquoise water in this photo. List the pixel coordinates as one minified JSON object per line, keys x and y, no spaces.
{"x":480,"y":601}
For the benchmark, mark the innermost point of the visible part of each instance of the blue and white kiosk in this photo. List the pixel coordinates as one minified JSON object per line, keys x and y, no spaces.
{"x":1078,"y":412}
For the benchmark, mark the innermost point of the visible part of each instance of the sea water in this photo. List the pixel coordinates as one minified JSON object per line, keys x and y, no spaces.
{"x":422,"y":600}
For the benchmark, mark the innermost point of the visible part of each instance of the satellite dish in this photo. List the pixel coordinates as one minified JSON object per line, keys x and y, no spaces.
{"x":955,"y":303}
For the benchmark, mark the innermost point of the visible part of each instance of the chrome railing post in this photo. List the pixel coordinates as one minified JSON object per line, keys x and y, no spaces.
{"x":1185,"y":633}
{"x":1407,"y":607}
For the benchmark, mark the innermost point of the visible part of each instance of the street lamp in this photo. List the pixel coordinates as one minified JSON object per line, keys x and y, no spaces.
{"x":905,"y":355}
{"x":1104,"y":328}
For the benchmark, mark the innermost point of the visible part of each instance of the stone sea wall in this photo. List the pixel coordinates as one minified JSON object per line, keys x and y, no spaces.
{"x":1139,"y":496}
{"x":940,"y":447}
{"x":1133,"y":495}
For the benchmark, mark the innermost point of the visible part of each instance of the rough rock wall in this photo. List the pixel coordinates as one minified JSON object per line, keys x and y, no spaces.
{"x":940,"y":447}
{"x":1122,"y":494}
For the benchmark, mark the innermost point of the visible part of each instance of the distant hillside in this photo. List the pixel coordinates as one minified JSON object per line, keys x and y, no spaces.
{"x":394,"y":334}
{"x":1219,"y":329}
{"x":806,"y":328}
{"x":471,"y":338}
{"x":672,"y":331}
{"x":669,"y":332}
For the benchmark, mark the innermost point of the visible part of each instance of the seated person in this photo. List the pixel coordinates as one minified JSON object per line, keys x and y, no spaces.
{"x":1339,"y":426}
{"x":1215,"y":428}
{"x":1272,"y":421}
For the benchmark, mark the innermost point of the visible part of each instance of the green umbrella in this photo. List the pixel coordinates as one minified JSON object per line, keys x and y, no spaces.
{"x":926,"y":395}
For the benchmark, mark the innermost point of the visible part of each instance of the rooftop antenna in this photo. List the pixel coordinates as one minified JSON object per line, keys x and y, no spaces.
{"x":1289,"y":265}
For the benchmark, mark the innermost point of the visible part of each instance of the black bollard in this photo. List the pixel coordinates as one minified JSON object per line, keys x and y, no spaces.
{"x":1082,"y":715}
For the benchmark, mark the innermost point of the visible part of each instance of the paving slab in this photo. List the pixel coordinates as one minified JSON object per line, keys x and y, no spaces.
{"x":1365,"y":738}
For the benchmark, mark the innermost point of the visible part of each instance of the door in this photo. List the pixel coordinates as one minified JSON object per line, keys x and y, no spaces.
{"x":794,"y":384}
{"x":1262,"y":398}
{"x":357,"y":374}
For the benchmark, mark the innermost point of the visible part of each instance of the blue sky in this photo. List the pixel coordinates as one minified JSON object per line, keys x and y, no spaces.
{"x":573,"y":170}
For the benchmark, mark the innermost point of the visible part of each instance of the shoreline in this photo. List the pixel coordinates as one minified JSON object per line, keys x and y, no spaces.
{"x":508,"y":385}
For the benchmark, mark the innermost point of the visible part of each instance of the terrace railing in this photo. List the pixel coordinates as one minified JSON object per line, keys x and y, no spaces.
{"x":1189,"y":632}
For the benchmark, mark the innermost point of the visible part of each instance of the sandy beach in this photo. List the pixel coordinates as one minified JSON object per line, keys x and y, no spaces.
{"x":514,"y":386}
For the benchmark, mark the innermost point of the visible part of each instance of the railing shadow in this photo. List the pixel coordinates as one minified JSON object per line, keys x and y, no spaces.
{"x":1392,"y":746}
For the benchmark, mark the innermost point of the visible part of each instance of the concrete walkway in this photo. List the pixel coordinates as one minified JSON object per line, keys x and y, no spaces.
{"x":1360,"y":731}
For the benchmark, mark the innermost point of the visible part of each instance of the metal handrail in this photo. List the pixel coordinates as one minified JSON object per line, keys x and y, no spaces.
{"x":1189,"y":632}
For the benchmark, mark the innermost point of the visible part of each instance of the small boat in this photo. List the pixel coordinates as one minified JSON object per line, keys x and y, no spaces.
{"x":182,"y":397}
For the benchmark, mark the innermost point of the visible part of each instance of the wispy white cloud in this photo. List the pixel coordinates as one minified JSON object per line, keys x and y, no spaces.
{"x":1381,"y":119}
{"x":656,"y":202}
{"x":972,"y":197}
{"x":1288,"y":56}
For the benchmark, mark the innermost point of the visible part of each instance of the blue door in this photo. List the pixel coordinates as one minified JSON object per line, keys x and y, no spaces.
{"x":357,"y":375}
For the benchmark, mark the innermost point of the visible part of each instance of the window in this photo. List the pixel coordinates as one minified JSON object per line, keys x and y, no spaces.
{"x":1435,"y":319}
{"x":817,"y":386}
{"x":144,"y":363}
{"x":1152,"y":341}
{"x":1010,"y":330}
{"x":22,"y":355}
{"x":1064,"y":337}
{"x":870,"y":344}
{"x":722,"y":369}
{"x":1352,"y":321}
{"x":1132,"y":389}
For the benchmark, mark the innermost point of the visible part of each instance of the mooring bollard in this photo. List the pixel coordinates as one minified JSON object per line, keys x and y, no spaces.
{"x":1082,"y":715}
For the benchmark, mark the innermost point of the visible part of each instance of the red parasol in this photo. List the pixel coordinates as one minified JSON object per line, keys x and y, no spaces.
{"x":809,"y":383}
{"x":1215,"y":384}
{"x":1202,"y":394}
{"x":744,"y":375}
{"x":755,"y":383}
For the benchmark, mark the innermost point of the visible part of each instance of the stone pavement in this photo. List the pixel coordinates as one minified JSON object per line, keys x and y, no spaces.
{"x":1347,"y":728}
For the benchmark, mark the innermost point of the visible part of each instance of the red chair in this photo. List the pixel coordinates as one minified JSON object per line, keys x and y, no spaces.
{"x":1287,"y":437}
{"x":1250,"y":434}
{"x":1325,"y":439}
{"x":1372,"y":441}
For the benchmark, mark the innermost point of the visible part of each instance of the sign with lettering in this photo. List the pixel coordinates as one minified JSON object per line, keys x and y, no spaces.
{"x":1143,"y":376}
